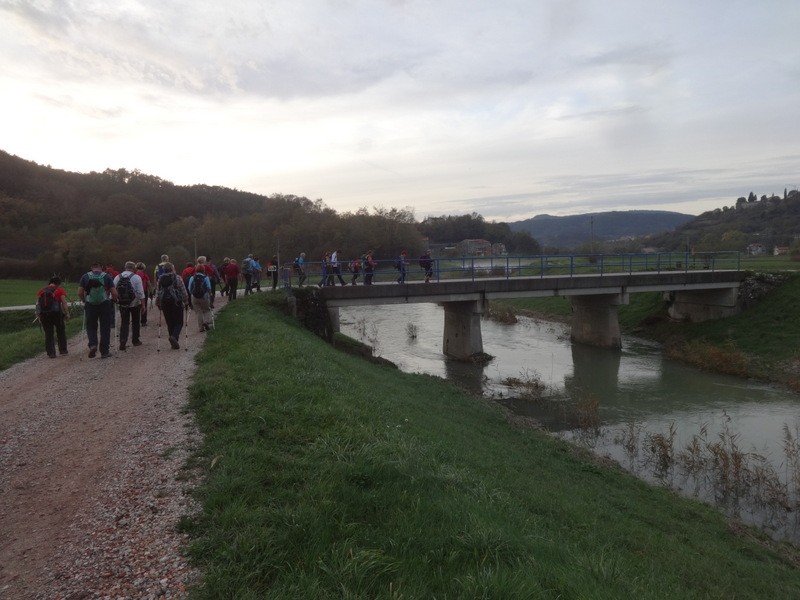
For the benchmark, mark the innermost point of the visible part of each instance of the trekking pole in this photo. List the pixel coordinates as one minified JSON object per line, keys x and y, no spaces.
{"x":186,"y":329}
{"x":158,"y":342}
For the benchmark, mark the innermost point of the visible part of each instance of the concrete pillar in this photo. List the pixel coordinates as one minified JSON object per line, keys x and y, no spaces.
{"x":595,"y":320}
{"x":704,"y":305}
{"x":462,"y":329}
{"x":333,"y":318}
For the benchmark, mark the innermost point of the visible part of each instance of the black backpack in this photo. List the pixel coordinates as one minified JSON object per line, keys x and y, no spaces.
{"x":168,"y":292}
{"x":199,"y":286}
{"x":125,"y":292}
{"x":46,"y":303}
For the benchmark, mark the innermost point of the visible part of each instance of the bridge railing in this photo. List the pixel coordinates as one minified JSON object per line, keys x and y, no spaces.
{"x":570,"y":265}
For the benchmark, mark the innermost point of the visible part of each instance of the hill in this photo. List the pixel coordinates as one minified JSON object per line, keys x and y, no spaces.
{"x":575,"y":230}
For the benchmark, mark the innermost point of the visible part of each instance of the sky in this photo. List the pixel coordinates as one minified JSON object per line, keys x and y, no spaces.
{"x":507,"y":108}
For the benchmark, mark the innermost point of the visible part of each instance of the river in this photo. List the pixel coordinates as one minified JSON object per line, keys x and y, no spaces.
{"x":725,"y":440}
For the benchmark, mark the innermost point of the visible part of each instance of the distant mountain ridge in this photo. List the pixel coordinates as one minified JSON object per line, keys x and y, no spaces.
{"x":575,"y":230}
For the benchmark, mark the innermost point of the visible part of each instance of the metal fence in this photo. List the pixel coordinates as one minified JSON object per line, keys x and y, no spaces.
{"x":498,"y":267}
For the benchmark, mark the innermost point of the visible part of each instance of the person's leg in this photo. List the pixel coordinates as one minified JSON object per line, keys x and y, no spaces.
{"x":124,"y":327}
{"x":49,"y":338}
{"x":136,"y":323}
{"x":92,"y":316}
{"x":233,"y":287}
{"x":106,"y":314}
{"x":61,"y":334}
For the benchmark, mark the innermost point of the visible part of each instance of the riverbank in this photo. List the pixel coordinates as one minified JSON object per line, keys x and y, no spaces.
{"x":760,"y":342}
{"x":328,"y":476}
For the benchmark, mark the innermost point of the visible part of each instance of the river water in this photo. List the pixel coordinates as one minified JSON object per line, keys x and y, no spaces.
{"x":725,"y":440}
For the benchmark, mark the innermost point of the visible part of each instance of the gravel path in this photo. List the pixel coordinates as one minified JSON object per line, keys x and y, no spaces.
{"x":92,"y":484}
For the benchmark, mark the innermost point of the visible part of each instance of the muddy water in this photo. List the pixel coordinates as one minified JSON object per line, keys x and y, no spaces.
{"x":633,"y":405}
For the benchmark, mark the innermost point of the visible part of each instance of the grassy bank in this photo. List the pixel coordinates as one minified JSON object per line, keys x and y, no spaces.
{"x":330,"y":477}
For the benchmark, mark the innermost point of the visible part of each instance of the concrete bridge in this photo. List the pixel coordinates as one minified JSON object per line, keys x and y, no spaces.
{"x":694,"y":295}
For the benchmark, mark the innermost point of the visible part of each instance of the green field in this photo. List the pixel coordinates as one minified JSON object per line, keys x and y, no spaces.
{"x":22,"y":292}
{"x":329,"y":477}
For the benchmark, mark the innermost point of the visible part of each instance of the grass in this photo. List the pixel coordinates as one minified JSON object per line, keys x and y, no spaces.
{"x":331,"y":477}
{"x":21,"y":338}
{"x":22,"y":292}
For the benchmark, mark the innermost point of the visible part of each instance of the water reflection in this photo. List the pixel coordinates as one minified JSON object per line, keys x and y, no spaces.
{"x":602,"y":397}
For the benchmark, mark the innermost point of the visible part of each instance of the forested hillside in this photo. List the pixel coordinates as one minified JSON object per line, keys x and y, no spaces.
{"x":576,"y":230}
{"x":58,"y":221}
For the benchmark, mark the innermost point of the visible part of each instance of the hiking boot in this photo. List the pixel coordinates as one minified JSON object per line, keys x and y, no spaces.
{"x":106,"y":355}
{"x":136,"y":343}
{"x":92,"y":351}
{"x":63,"y":352}
{"x":174,"y":343}
{"x":122,"y":347}
{"x":51,"y":355}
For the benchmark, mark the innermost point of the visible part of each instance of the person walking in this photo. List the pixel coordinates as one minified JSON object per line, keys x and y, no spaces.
{"x":172,"y":301}
{"x":300,"y":267}
{"x":336,"y":268}
{"x":247,"y":273}
{"x":402,"y":266}
{"x":426,"y":263}
{"x":355,"y":269}
{"x":130,"y":297}
{"x":97,"y":292}
{"x":232,"y":278}
{"x":213,"y":278}
{"x":369,"y":267}
{"x":141,"y":271}
{"x":52,"y":310}
{"x":272,"y":269}
{"x":257,"y":268}
{"x":200,"y":298}
{"x":326,"y":279}
{"x":223,"y":279}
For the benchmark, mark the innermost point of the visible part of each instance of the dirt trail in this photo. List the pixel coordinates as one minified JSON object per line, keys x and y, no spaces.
{"x":91,"y":486}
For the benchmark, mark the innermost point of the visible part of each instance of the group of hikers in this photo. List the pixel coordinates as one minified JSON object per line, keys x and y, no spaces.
{"x":102,"y":289}
{"x":331,"y":268}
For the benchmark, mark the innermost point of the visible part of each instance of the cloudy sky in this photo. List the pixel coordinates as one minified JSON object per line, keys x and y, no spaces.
{"x":509,"y":108}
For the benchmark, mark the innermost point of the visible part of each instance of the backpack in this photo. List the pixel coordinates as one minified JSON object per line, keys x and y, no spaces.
{"x":398,"y":264}
{"x":168,"y":293}
{"x":355,"y":265}
{"x":96,"y":289}
{"x":198,"y":286}
{"x":297,"y":268}
{"x":125,"y":292}
{"x":247,"y":266}
{"x":46,"y":302}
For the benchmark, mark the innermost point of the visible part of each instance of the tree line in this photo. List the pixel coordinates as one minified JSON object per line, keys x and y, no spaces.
{"x":55,"y":221}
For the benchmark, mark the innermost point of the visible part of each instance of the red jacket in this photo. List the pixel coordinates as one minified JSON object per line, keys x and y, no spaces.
{"x":231,"y":271}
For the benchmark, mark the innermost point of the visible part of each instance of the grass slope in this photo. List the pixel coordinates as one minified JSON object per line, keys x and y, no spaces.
{"x":330,"y":477}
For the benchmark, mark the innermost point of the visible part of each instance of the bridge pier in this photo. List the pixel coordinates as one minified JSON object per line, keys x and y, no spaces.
{"x":703,"y":305}
{"x":595,"y":320}
{"x":462,"y":329}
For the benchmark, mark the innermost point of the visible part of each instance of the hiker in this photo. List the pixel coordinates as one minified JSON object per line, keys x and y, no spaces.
{"x":247,"y":273}
{"x":256,"y":263}
{"x":326,"y":279}
{"x":172,"y":300}
{"x":141,"y":271}
{"x":401,"y":265}
{"x":52,"y":310}
{"x":369,"y":267}
{"x":158,"y":271}
{"x":272,"y":269}
{"x":232,"y":278}
{"x":355,"y":269}
{"x":111,"y":270}
{"x":300,"y":268}
{"x":336,"y":268}
{"x":130,"y":297}
{"x":200,"y":297}
{"x":97,"y":292}
{"x":187,"y":272}
{"x":426,"y":263}
{"x":213,"y":278}
{"x":224,"y":289}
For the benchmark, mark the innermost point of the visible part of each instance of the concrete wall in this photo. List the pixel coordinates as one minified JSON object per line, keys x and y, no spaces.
{"x":703,"y":305}
{"x":595,"y":320}
{"x":462,"y":336}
